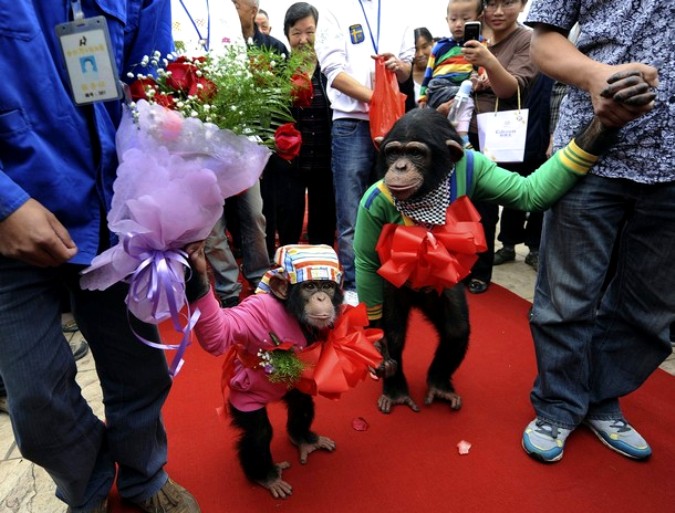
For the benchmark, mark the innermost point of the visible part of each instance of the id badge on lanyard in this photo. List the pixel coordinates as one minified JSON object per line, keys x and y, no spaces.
{"x":90,"y":63}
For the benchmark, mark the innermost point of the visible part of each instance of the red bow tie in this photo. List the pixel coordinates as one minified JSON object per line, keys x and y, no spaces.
{"x":438,"y":258}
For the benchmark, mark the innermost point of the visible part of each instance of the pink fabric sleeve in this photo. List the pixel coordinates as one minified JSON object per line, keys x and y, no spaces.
{"x":210,"y":326}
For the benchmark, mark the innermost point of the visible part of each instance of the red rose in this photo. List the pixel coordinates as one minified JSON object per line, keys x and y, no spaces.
{"x":139,"y":88}
{"x":165,"y":100}
{"x":204,"y":93}
{"x":183,"y":76}
{"x":288,"y":141}
{"x":302,"y":90}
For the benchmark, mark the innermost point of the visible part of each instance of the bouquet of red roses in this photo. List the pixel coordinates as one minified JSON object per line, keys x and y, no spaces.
{"x":200,"y":130}
{"x":249,"y":92}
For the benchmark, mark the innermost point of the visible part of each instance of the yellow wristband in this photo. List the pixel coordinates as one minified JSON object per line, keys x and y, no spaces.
{"x":576,"y":159}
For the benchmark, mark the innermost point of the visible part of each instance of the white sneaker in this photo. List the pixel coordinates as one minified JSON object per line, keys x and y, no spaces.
{"x":351,"y":298}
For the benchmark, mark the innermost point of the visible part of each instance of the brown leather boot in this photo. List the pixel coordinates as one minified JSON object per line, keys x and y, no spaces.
{"x":171,"y":498}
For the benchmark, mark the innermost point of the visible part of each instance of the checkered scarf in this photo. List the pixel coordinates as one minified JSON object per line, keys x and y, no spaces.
{"x":430,"y":209}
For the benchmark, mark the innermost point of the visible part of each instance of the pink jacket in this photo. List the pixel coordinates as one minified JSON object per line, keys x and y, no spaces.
{"x":248,"y":325}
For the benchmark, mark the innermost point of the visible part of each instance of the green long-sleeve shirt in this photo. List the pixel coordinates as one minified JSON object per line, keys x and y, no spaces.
{"x":488,"y":182}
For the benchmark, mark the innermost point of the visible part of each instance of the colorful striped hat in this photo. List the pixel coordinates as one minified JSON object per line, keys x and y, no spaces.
{"x":303,"y":262}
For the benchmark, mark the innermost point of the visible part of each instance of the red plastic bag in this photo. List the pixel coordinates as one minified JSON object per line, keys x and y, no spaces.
{"x":387,"y":104}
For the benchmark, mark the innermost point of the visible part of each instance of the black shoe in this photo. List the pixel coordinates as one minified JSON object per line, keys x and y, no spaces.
{"x":532,"y":259}
{"x":504,"y":255}
{"x":477,"y":286}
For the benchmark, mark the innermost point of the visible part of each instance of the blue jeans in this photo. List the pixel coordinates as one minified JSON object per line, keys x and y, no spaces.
{"x":353,"y":164}
{"x":604,"y":301}
{"x":53,"y":425}
{"x":255,"y":259}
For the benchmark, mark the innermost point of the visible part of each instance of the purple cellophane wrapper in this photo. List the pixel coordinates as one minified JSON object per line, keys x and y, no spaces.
{"x":173,"y":177}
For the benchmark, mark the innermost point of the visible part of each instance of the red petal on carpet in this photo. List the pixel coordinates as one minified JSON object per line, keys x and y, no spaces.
{"x":409,"y":462}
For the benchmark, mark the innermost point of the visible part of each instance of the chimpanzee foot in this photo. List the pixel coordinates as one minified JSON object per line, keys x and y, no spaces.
{"x":445,"y":395}
{"x":386,"y":402}
{"x":306,"y":449}
{"x":279,"y":488}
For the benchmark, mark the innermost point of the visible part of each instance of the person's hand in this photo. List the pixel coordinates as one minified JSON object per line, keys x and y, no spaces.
{"x":33,"y":235}
{"x":481,"y":82}
{"x":549,"y":149}
{"x":197,"y":281}
{"x":444,"y":108}
{"x":395,"y":65}
{"x":622,"y":93}
{"x":631,"y":96}
{"x":391,"y":62}
{"x":477,"y":54}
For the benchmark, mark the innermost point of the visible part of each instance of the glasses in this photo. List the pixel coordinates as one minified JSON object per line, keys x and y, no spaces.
{"x":492,"y":6}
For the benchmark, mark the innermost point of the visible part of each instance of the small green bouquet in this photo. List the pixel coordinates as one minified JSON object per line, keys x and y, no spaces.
{"x":281,"y":363}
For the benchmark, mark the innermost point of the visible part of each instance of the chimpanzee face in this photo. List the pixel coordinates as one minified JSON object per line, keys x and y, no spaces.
{"x":418,"y":153}
{"x":315,"y":303}
{"x":405,"y":163}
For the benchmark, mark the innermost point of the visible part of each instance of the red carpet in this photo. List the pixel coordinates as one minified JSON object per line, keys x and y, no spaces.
{"x":408,"y":462}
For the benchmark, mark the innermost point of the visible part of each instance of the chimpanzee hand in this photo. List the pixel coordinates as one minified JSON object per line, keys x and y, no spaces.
{"x":629,"y":88}
{"x":617,"y":92}
{"x":388,"y":366}
{"x":197,"y":282}
{"x":631,"y":93}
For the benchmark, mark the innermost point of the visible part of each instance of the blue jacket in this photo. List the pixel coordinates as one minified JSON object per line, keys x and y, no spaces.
{"x":52,"y":150}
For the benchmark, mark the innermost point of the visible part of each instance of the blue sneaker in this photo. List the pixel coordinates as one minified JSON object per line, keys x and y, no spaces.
{"x":619,"y":435}
{"x":544,"y":441}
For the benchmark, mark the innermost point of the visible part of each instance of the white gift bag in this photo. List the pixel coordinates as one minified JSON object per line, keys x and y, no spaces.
{"x":502,"y":135}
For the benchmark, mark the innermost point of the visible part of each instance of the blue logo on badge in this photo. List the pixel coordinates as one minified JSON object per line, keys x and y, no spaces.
{"x":356,"y":34}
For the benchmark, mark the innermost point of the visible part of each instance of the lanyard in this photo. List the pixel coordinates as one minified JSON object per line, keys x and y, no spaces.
{"x":78,"y":14}
{"x":203,"y":42}
{"x":376,"y":44}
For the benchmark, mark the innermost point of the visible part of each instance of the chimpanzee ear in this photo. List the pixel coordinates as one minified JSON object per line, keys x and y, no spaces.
{"x":455,"y":149}
{"x":377,"y":142}
{"x":279,"y":287}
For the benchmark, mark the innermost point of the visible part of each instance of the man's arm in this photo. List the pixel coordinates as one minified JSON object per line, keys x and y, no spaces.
{"x":348,"y":85}
{"x":558,"y":58}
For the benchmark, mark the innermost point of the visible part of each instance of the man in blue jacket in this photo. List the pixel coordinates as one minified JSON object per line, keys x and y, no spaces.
{"x":57,"y":166}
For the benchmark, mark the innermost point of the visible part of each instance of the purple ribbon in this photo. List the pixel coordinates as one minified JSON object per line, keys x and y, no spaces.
{"x":162,"y":279}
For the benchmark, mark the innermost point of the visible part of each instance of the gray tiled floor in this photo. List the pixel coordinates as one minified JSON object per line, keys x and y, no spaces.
{"x":25,"y":488}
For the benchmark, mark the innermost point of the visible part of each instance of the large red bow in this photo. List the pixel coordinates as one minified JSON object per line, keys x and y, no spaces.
{"x":439,"y":258}
{"x":339,"y":363}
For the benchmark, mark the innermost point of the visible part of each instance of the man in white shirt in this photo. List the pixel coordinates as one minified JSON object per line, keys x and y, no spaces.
{"x":200,"y":25}
{"x":349,"y":34}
